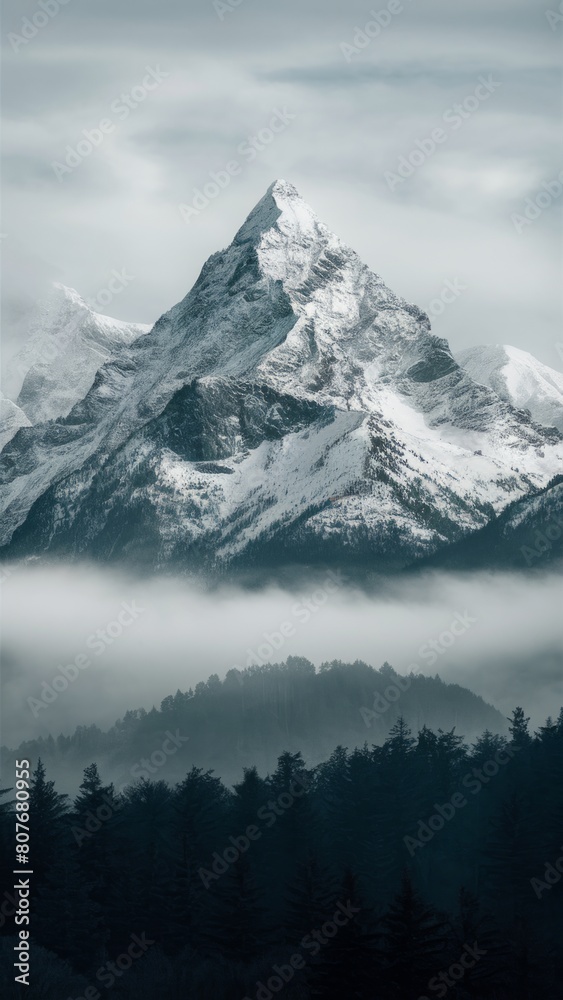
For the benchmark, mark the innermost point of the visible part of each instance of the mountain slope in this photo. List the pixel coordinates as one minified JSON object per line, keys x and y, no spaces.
{"x":68,"y":343}
{"x":11,"y":419}
{"x":518,"y":378}
{"x":527,"y":534}
{"x":253,"y":715}
{"x":290,"y":408}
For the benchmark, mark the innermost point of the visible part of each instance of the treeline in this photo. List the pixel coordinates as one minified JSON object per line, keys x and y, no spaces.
{"x":421,"y":867}
{"x":255,"y":713}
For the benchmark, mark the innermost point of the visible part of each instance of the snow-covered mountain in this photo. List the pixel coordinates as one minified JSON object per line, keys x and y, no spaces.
{"x":518,"y":378}
{"x":290,"y":409}
{"x":528,"y":534}
{"x":67,"y":344}
{"x":11,"y":419}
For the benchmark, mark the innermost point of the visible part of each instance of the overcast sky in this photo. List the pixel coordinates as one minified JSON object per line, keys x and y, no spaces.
{"x":511,"y":652}
{"x":355,"y":114}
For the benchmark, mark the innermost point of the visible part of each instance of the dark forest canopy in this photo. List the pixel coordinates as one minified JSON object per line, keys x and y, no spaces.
{"x":252,"y":715}
{"x":422,"y":867}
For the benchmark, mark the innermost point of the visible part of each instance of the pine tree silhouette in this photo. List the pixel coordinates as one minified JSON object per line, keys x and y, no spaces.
{"x":95,"y":821}
{"x":310,"y":895}
{"x":415,"y":944}
{"x":68,"y":921}
{"x":489,"y":976}
{"x":508,"y":859}
{"x":236,"y":925}
{"x":347,"y":963}
{"x":47,"y":808}
{"x":7,"y":857}
{"x":116,"y":865}
{"x":518,"y":729}
{"x":200,"y":803}
{"x":186,"y":907}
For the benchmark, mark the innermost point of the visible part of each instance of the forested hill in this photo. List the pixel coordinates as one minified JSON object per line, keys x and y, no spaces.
{"x":252,"y":716}
{"x":422,"y":867}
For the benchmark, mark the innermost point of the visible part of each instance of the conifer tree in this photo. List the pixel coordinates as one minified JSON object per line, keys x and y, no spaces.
{"x":309,"y":896}
{"x":518,"y":729}
{"x":47,"y":808}
{"x":68,"y":921}
{"x":7,"y":847}
{"x":488,"y":977}
{"x":347,"y":964}
{"x":415,"y":943}
{"x":509,"y":859}
{"x":201,"y":804}
{"x":95,"y":821}
{"x":236,"y":926}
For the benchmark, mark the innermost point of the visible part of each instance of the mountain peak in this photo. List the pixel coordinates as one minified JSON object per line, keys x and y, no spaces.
{"x":68,"y":341}
{"x":291,"y":407}
{"x":518,"y":378}
{"x":283,"y":189}
{"x":283,"y":209}
{"x":63,"y":293}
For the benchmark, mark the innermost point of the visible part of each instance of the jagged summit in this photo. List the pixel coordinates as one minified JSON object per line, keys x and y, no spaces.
{"x":280,"y":190}
{"x":266,"y":212}
{"x":286,"y":234}
{"x":66,"y":300}
{"x":66,"y":293}
{"x":290,"y":408}
{"x":68,"y":342}
{"x":282,"y":199}
{"x":63,"y":296}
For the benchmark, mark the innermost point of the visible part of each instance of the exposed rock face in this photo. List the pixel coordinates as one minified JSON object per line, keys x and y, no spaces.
{"x":290,"y":409}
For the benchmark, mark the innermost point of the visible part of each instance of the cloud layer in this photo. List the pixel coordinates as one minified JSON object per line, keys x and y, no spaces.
{"x":356,"y":116}
{"x":146,"y":639}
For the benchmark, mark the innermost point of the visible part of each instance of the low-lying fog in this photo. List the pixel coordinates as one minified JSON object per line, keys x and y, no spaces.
{"x":127,"y":643}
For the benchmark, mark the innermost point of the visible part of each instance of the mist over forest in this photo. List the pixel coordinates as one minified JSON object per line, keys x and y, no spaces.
{"x":509,"y":652}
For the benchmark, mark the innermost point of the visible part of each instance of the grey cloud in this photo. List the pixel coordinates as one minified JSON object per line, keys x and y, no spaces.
{"x":353,"y":122}
{"x":512,"y":653}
